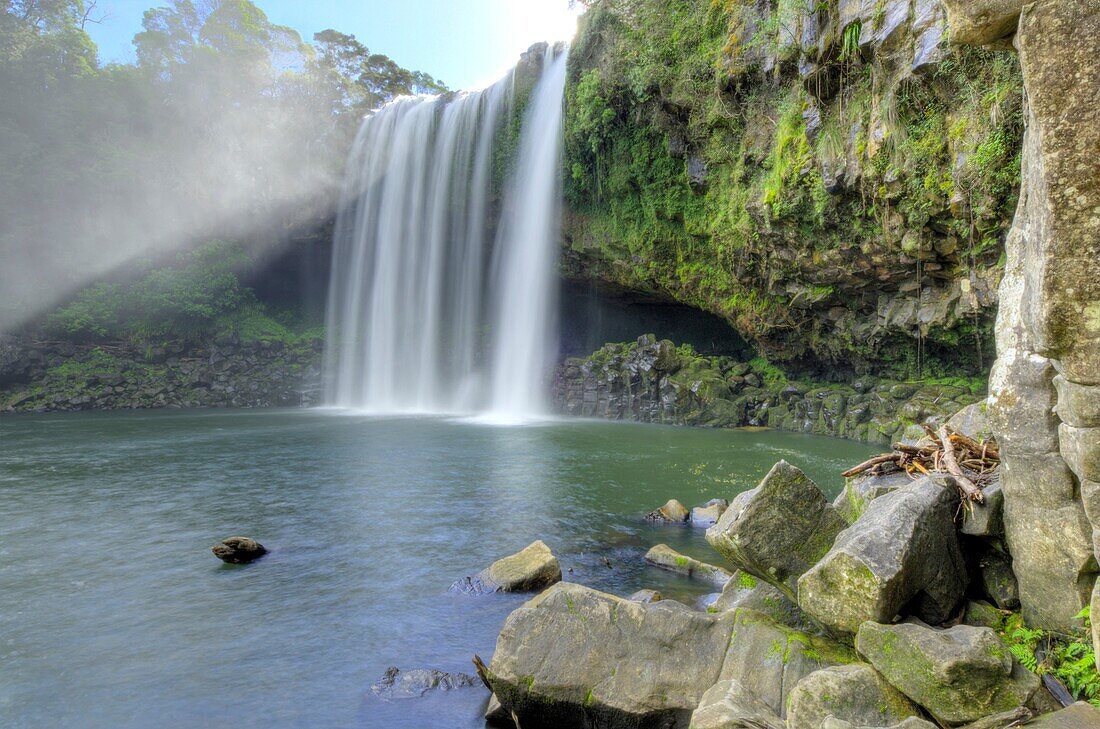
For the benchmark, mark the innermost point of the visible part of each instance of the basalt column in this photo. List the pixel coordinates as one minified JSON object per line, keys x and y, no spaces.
{"x":1045,"y":386}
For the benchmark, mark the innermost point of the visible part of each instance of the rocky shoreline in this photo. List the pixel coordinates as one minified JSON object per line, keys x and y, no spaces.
{"x":654,"y":381}
{"x":886,"y":608}
{"x":40,"y":376}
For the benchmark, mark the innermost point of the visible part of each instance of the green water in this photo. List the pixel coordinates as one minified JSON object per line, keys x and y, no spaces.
{"x":113,"y":612}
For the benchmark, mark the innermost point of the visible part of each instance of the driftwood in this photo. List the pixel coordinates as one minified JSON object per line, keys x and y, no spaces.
{"x":968,"y":487}
{"x":970,"y":463}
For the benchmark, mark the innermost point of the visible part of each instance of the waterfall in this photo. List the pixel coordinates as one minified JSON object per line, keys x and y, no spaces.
{"x":428,"y":310}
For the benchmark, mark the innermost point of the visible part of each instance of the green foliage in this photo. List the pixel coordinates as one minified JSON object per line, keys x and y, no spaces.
{"x":183,"y":300}
{"x":773,"y":376}
{"x":849,"y":44}
{"x":1070,"y":659}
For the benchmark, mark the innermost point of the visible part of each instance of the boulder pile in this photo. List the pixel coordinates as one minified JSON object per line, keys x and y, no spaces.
{"x":863,"y":613}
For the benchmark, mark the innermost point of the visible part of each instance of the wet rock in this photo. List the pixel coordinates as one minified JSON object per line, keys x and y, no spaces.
{"x":667,"y":558}
{"x":855,"y":693}
{"x":708,"y":514}
{"x":779,"y":529}
{"x":958,"y":675}
{"x":398,"y":684}
{"x":653,"y":666}
{"x":496,"y":715}
{"x":238,"y":550}
{"x":769,"y":659}
{"x":532,"y":568}
{"x":729,"y":705}
{"x":903,"y":551}
{"x":646,"y":596}
{"x":673,"y":512}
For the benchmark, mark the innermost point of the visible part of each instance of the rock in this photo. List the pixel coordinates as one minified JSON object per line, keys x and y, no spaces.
{"x":779,"y":529}
{"x":238,"y":550}
{"x":667,"y":558}
{"x":910,"y":723}
{"x":1002,"y":720}
{"x":959,"y":675}
{"x":646,"y":596}
{"x":653,"y":664}
{"x":903,"y":552}
{"x":708,"y":514}
{"x":673,"y":512}
{"x":978,"y":22}
{"x":862,"y":489}
{"x":854,"y":693}
{"x":496,"y":715}
{"x":532,"y":568}
{"x":982,"y":614}
{"x":745,"y":591}
{"x":986,"y":519}
{"x":769,"y":659}
{"x":729,"y":705}
{"x":972,"y":421}
{"x":1075,"y":716}
{"x":398,"y":684}
{"x":997,"y":580}
{"x":707,"y":602}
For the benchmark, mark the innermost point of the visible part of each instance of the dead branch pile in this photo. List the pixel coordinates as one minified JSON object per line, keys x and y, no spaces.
{"x":971,"y":463}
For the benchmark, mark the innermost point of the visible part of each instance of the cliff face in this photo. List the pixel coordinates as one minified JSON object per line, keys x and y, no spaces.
{"x":831,"y":178}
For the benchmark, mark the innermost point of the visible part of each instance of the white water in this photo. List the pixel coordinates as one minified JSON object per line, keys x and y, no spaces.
{"x":428,"y":312}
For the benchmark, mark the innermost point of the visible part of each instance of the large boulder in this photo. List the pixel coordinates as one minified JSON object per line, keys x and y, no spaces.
{"x":958,"y":675}
{"x":573,"y":656}
{"x":238,"y":550}
{"x":667,"y":558}
{"x":779,"y":529}
{"x":769,"y":659}
{"x":532,"y":568}
{"x":903,"y":552}
{"x":855,"y":693}
{"x":729,"y":705}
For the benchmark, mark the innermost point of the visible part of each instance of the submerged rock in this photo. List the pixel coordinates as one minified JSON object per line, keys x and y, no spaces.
{"x":708,"y":514}
{"x":856,"y":694}
{"x":646,"y":596}
{"x":532,"y":568}
{"x":238,"y":550}
{"x":667,"y":558}
{"x":903,"y":552}
{"x":959,"y":675}
{"x":673,"y":512}
{"x":573,"y":656}
{"x":779,"y":529}
{"x":398,"y":684}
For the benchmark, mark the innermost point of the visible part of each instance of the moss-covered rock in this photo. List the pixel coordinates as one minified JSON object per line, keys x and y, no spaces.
{"x":855,"y":693}
{"x":779,"y":529}
{"x":667,"y":558}
{"x":959,"y":675}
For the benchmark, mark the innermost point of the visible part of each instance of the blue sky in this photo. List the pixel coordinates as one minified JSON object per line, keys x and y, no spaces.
{"x":463,"y":42}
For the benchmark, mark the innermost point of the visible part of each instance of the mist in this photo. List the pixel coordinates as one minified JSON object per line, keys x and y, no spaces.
{"x":226,"y":127}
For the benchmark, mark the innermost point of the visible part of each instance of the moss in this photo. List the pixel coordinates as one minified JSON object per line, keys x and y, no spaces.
{"x":745,"y":580}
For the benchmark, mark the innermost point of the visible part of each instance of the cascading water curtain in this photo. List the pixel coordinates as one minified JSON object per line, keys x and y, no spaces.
{"x":428,"y":310}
